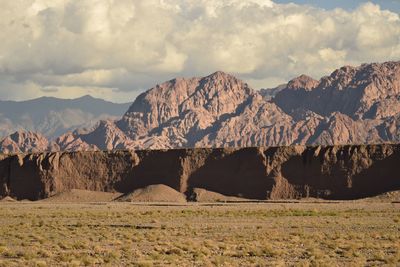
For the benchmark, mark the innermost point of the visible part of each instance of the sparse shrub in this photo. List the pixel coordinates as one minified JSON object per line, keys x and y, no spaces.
{"x":39,"y":263}
{"x":3,"y":250}
{"x":143,"y":263}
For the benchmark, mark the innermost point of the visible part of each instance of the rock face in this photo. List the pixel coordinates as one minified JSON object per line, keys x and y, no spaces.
{"x":181,"y":111}
{"x":69,"y":142}
{"x":358,"y":92}
{"x":331,"y":172}
{"x":24,"y":142}
{"x":354,"y":105}
{"x":270,"y":93}
{"x":104,"y":136}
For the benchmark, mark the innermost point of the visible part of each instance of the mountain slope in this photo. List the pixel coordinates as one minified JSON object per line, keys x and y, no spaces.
{"x":357,"y":92}
{"x":24,"y":142}
{"x":353,"y":105}
{"x":180,"y":106}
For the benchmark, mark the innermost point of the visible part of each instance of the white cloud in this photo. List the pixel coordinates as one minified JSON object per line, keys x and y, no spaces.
{"x":115,"y":48}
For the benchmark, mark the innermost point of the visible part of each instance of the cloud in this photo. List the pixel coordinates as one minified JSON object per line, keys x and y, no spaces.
{"x":116,"y":48}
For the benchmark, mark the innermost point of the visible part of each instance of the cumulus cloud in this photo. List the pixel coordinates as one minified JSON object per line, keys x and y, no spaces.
{"x":117,"y":48}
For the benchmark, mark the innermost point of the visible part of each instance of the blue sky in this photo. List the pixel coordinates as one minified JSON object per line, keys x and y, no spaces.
{"x":393,"y":5}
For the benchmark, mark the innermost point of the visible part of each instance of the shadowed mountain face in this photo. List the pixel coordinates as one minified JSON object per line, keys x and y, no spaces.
{"x":52,"y":117}
{"x":354,"y":105}
{"x":358,"y":92}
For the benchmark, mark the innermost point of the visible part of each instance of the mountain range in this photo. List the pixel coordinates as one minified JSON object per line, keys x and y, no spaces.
{"x":52,"y":116}
{"x":353,"y":105}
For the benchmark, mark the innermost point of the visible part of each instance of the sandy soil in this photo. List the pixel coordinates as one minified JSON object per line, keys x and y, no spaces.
{"x":81,"y":196}
{"x":347,"y":233}
{"x":203,"y":195}
{"x":7,"y":199}
{"x":154,"y":193}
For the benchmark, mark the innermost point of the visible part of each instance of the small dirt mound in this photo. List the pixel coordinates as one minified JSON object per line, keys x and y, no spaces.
{"x":7,"y":199}
{"x":154,"y":193}
{"x":203,"y":195}
{"x":77,"y":195}
{"x":392,"y":196}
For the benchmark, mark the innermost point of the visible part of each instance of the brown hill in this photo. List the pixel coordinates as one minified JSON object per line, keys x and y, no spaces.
{"x":154,"y":193}
{"x":392,"y":196}
{"x":203,"y":195}
{"x":7,"y":199}
{"x":79,"y":196}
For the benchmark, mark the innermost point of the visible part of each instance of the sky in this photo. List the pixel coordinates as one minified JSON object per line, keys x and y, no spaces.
{"x":116,"y":49}
{"x":393,"y":5}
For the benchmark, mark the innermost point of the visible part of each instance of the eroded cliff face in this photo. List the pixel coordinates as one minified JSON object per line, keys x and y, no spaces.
{"x":331,"y":172}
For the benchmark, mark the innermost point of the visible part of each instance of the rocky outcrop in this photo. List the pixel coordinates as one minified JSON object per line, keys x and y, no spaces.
{"x":330,"y":172}
{"x":354,"y":91}
{"x":105,"y":136}
{"x":71,"y":142}
{"x":182,"y":110}
{"x":259,"y":123}
{"x":341,"y":129}
{"x":24,"y":142}
{"x":303,"y":82}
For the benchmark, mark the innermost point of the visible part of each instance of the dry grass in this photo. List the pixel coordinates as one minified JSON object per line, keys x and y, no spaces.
{"x":120,"y":234}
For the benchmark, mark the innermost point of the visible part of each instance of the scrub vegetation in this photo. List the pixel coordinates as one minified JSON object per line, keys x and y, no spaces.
{"x":258,"y":234}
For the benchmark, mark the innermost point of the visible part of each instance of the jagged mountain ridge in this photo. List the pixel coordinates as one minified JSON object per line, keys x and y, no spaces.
{"x":357,"y":92}
{"x":353,"y":105}
{"x":183,"y":110}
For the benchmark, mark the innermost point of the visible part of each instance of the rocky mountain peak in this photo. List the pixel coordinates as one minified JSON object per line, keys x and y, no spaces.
{"x":204,"y":98}
{"x":303,"y":82}
{"x":349,"y":90}
{"x":221,"y":76}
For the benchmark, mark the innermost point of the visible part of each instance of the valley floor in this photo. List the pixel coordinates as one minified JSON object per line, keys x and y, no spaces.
{"x":348,"y":233}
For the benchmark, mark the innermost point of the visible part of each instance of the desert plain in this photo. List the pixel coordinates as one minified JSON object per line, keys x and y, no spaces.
{"x":270,"y":233}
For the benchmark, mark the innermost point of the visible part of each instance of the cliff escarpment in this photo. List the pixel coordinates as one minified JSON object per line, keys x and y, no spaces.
{"x":329,"y":172}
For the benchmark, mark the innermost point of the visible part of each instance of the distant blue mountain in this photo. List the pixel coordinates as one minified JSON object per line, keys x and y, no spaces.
{"x":54,"y":116}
